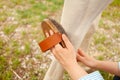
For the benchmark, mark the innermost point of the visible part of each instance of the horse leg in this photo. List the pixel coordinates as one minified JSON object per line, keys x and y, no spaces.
{"x":85,"y":43}
{"x":76,"y":19}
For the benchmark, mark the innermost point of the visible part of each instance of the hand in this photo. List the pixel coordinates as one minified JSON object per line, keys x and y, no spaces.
{"x":85,"y":59}
{"x":67,"y":58}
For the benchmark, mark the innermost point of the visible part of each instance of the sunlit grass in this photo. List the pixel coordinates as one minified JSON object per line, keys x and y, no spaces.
{"x":99,"y":38}
{"x":112,"y":12}
{"x":32,"y":12}
{"x":103,"y":43}
{"x":24,"y":12}
{"x":9,"y":29}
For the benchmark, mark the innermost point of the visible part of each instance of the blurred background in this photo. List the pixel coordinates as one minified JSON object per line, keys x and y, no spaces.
{"x":20,"y":33}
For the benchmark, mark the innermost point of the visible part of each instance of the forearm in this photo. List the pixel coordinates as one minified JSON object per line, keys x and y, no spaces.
{"x":111,"y":67}
{"x":75,"y":71}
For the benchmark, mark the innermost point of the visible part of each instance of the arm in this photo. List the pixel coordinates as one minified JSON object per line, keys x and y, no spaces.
{"x":107,"y":66}
{"x":67,"y":57}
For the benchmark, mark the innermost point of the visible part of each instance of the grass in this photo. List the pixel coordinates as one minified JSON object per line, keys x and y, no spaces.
{"x":112,"y":12}
{"x":1,"y":44}
{"x":5,"y":73}
{"x":9,"y":29}
{"x":99,"y":38}
{"x":105,"y":40}
{"x":100,"y":58}
{"x":27,"y":49}
{"x":17,"y":48}
{"x":116,"y":35}
{"x":15,"y":63}
{"x":107,"y":76}
{"x":101,"y":47}
{"x":38,"y":11}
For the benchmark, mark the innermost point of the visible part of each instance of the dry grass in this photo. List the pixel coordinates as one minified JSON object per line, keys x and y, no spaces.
{"x":20,"y":56}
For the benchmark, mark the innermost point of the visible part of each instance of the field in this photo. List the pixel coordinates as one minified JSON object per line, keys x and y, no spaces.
{"x":20,"y":32}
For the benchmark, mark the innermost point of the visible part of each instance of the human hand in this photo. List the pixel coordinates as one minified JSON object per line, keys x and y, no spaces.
{"x":85,"y":59}
{"x":67,"y":58}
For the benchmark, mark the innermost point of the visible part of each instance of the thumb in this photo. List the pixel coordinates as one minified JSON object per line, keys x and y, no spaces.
{"x":81,"y":53}
{"x":79,"y":58}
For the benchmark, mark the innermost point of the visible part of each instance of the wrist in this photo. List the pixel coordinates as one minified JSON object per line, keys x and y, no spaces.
{"x":71,"y":66}
{"x":96,"y":64}
{"x":76,"y":71}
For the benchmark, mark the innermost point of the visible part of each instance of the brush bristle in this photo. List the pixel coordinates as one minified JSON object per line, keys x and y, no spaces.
{"x":58,"y":26}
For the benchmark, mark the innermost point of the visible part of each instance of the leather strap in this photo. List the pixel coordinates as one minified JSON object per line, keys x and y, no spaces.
{"x":50,"y":41}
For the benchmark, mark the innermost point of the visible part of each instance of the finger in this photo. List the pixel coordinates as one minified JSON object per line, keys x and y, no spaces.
{"x":67,"y":42}
{"x":56,"y":54}
{"x":81,"y":53}
{"x":51,"y":32}
{"x":47,"y":34}
{"x":79,"y":58}
{"x":53,"y":50}
{"x":58,"y":47}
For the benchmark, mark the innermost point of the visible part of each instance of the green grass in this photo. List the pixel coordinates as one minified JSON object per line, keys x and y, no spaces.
{"x":32,"y":12}
{"x":104,"y":44}
{"x":116,"y":35}
{"x":5,"y":73}
{"x":27,"y":49}
{"x":1,"y":44}
{"x":4,"y":64}
{"x":101,"y":47}
{"x":66,"y":76}
{"x":117,"y":28}
{"x":9,"y":29}
{"x":106,"y":75}
{"x":15,"y":63}
{"x":99,"y":38}
{"x":112,"y":12}
{"x":103,"y":25}
{"x":100,"y":57}
{"x":115,"y":3}
{"x":38,"y":11}
{"x":24,"y":13}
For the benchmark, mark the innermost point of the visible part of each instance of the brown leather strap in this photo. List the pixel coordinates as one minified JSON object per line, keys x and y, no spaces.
{"x":50,"y":41}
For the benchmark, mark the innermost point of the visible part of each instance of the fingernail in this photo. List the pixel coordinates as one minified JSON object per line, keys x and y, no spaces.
{"x":51,"y":32}
{"x":63,"y":35}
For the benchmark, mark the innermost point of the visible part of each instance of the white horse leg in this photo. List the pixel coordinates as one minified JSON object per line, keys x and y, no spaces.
{"x":76,"y":19}
{"x":55,"y":71}
{"x":85,"y":43}
{"x":78,"y":15}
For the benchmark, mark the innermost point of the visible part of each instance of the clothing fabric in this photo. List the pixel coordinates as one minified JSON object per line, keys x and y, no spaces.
{"x":116,"y":78}
{"x":93,"y":76}
{"x":97,"y":76}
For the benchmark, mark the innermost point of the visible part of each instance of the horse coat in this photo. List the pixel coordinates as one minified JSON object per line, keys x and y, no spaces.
{"x":77,"y":18}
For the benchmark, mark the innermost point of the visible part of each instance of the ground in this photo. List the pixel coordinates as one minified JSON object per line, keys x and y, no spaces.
{"x":20,"y":33}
